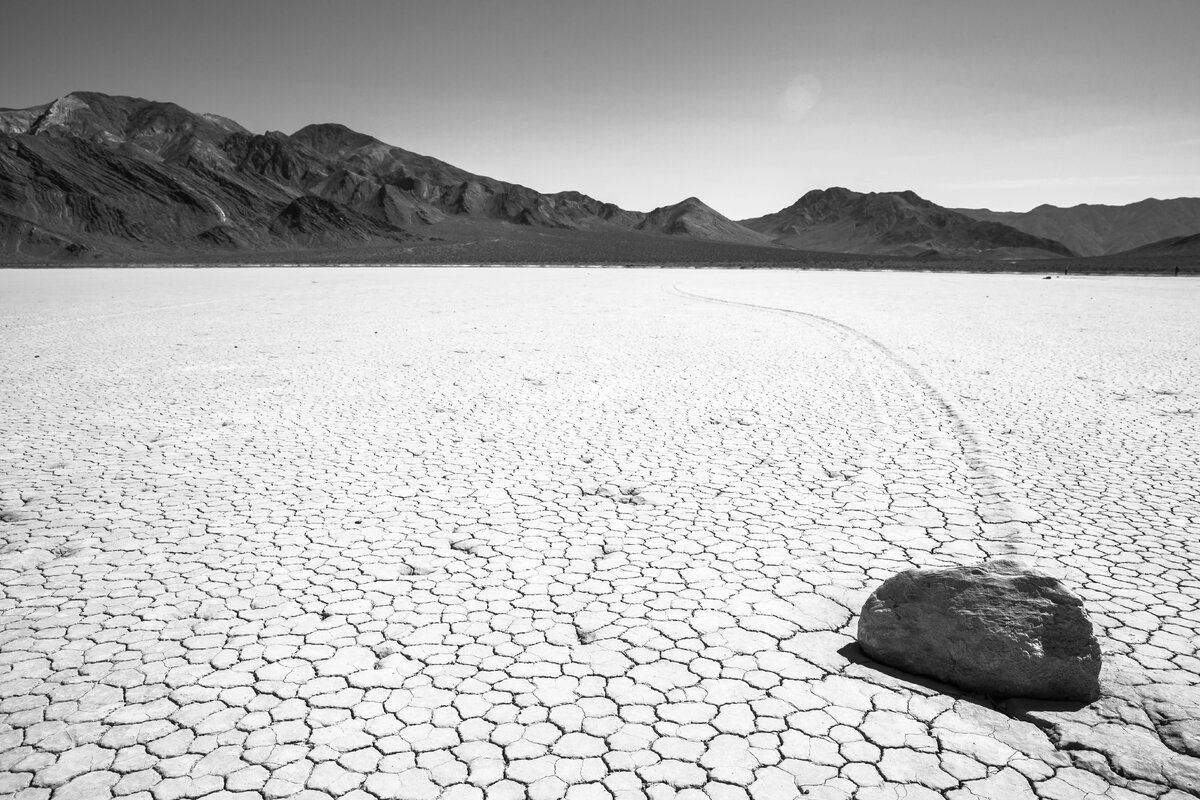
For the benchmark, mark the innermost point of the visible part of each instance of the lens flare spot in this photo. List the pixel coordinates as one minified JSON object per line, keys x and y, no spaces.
{"x":799,"y":98}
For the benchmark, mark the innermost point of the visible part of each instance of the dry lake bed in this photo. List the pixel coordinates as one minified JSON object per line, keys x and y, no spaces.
{"x":544,"y":533}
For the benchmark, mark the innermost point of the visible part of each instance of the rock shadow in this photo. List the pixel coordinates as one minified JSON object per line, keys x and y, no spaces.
{"x":1016,"y":707}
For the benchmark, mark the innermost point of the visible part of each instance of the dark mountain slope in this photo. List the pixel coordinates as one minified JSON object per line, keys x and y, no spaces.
{"x":693,"y":218}
{"x":434,"y":188}
{"x":277,"y":158}
{"x":1174,"y":246}
{"x":317,"y":222}
{"x":124,"y":196}
{"x":113,"y":173}
{"x":1093,"y":230}
{"x":22,"y":240}
{"x":900,"y":223}
{"x":106,"y":173}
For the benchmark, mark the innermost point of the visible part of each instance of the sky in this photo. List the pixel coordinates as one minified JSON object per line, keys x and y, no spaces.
{"x":746,"y":105}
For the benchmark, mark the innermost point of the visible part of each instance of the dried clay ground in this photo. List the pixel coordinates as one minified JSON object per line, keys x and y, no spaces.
{"x":543,"y":533}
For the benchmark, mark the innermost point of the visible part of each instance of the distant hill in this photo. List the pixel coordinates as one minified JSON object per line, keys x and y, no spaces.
{"x":898,"y":223}
{"x":693,"y":218}
{"x":1174,"y":246}
{"x":1093,"y":230}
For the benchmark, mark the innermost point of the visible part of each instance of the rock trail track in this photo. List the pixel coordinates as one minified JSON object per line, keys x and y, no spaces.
{"x":573,"y":533}
{"x":1001,"y":515}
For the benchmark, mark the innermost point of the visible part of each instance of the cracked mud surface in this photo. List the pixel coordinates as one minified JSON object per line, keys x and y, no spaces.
{"x":579,"y":533}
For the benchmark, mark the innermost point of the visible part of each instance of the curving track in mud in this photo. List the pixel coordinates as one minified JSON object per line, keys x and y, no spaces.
{"x":889,"y":380}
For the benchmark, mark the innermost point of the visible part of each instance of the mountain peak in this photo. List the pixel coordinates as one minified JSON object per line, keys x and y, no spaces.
{"x":62,"y":112}
{"x":832,"y":191}
{"x":156,"y":128}
{"x":330,"y":137}
{"x":840,"y":194}
{"x":898,"y":223}
{"x":912,"y":197}
{"x":692,"y":217}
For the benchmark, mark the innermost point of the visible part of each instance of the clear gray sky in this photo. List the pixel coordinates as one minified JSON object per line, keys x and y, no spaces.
{"x":746,"y":105}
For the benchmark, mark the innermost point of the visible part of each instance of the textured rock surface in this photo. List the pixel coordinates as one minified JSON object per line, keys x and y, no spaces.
{"x":999,"y":628}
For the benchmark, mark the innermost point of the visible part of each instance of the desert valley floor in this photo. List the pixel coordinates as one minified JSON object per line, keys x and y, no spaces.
{"x":544,"y":533}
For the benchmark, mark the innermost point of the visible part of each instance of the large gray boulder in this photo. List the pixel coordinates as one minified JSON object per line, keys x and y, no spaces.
{"x":997,"y":628}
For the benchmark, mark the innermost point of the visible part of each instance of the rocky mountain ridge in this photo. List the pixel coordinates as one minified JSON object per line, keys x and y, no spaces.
{"x":111,"y":173}
{"x":899,"y":223}
{"x":1093,"y":230}
{"x":98,"y":175}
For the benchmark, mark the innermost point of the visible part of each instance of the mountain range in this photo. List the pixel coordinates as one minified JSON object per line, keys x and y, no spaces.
{"x":91,"y":175}
{"x":899,"y":223}
{"x":1095,"y":230}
